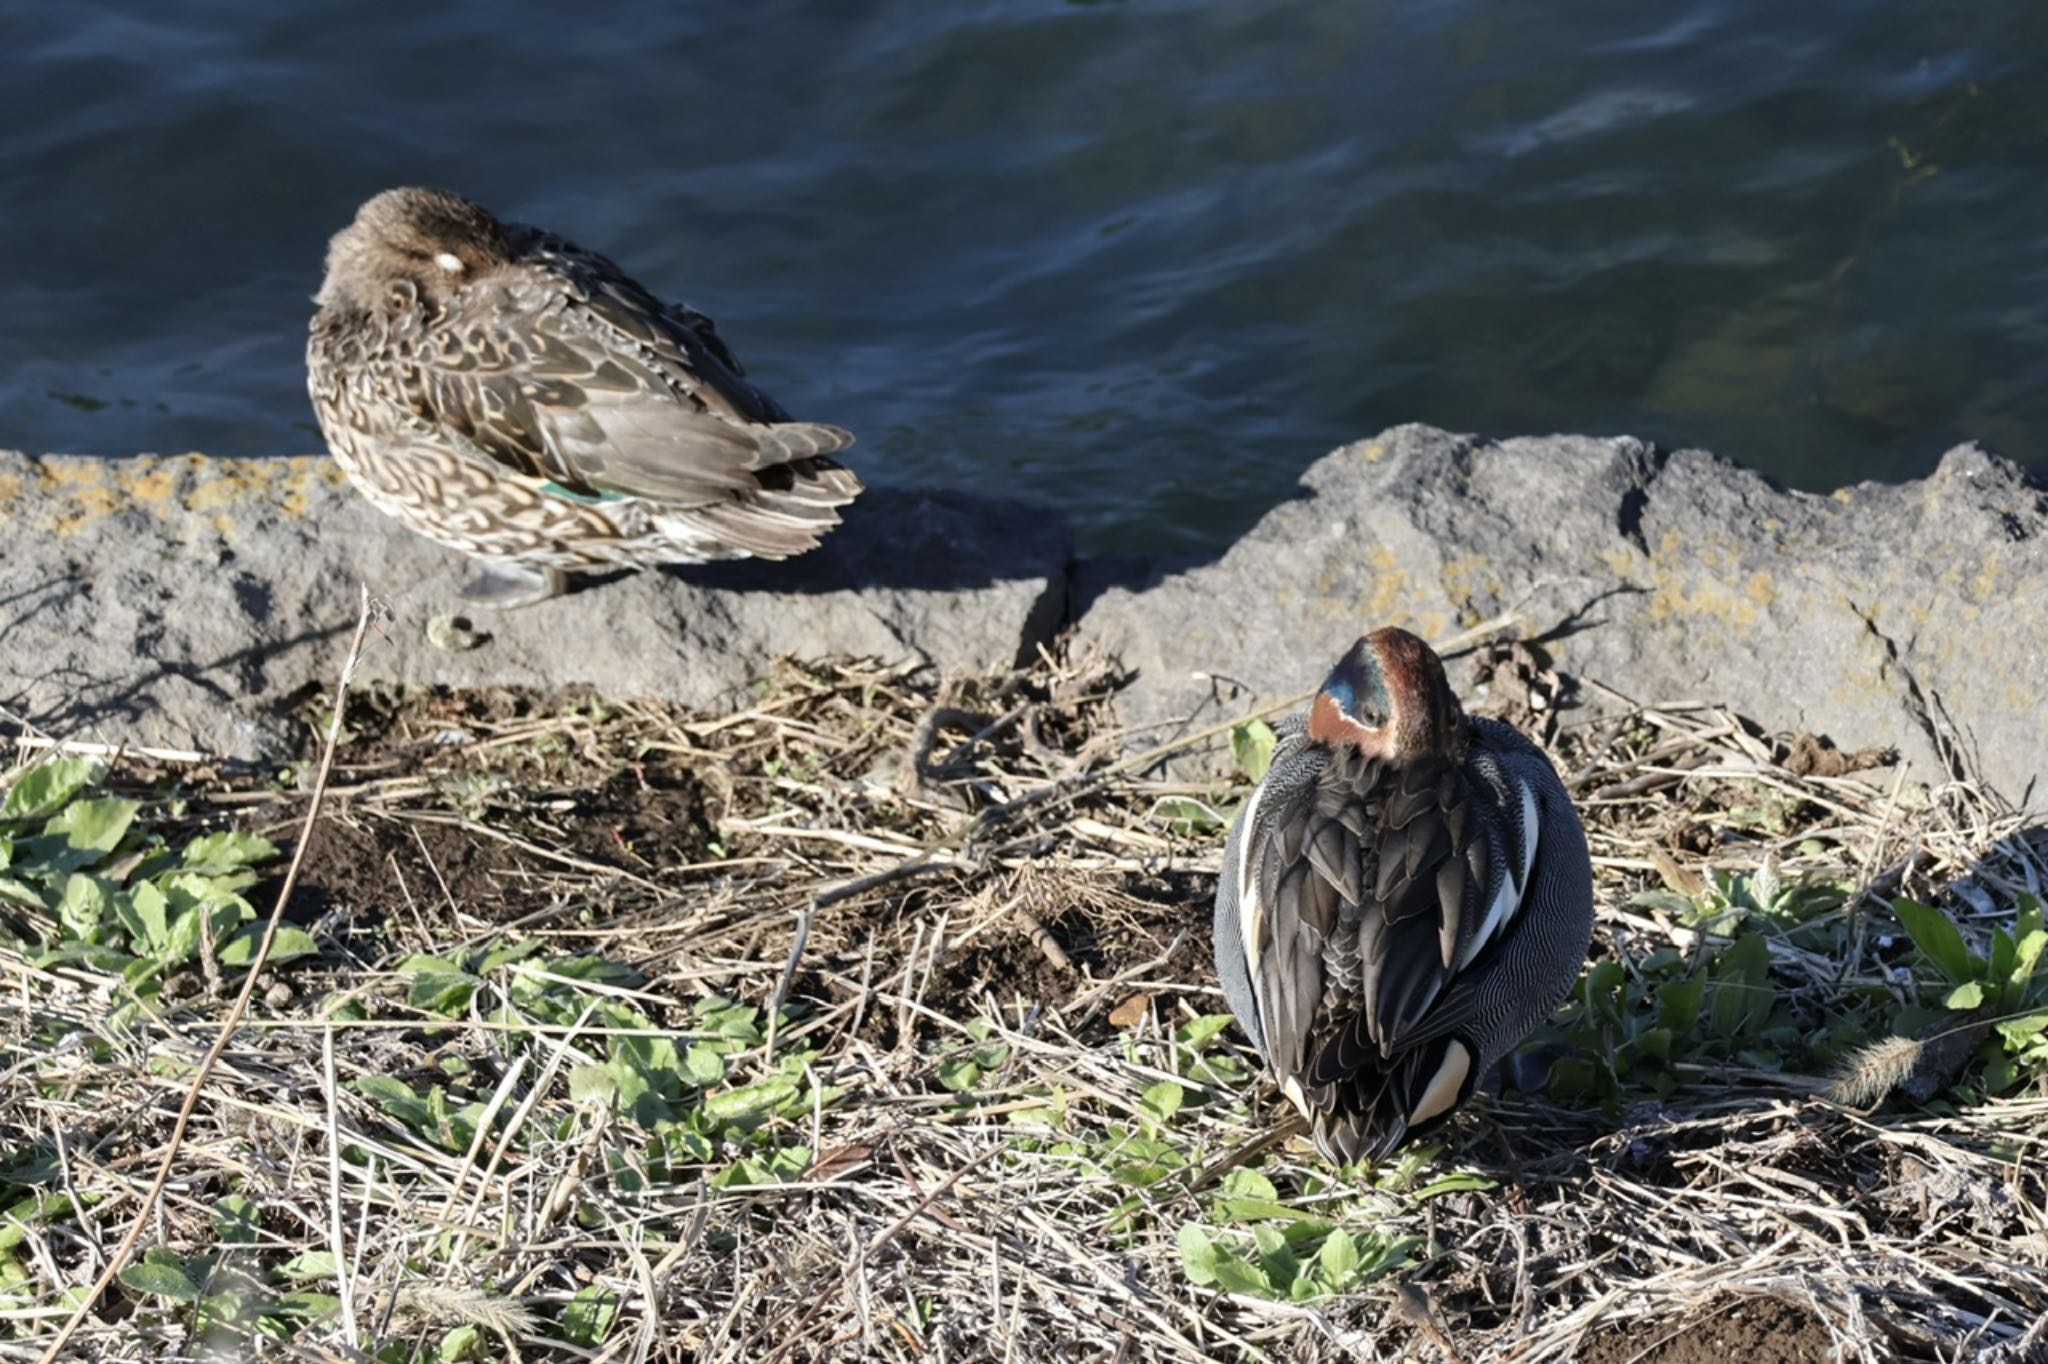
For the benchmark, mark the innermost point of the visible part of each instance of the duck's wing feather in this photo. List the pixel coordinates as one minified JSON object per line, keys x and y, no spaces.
{"x":1419,"y":854}
{"x":558,"y":367}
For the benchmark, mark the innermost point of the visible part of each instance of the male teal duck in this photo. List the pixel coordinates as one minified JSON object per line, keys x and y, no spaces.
{"x":1404,"y":898}
{"x":521,"y":400}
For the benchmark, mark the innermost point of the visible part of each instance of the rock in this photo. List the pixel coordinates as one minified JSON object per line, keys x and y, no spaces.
{"x":1912,"y":616}
{"x":189,"y":602}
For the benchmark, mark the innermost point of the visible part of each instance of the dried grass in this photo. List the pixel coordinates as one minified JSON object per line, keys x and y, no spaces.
{"x":894,"y":857}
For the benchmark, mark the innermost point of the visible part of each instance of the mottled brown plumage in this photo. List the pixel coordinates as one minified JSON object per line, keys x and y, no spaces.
{"x":522,"y":400}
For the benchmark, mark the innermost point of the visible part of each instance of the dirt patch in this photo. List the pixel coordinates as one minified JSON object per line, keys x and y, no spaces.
{"x":486,"y":804}
{"x":371,"y":869}
{"x":1749,"y":1330}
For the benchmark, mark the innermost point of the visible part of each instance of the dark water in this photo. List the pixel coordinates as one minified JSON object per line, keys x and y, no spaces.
{"x":1144,"y":259}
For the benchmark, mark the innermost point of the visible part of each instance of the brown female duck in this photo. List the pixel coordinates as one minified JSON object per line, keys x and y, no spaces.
{"x":519,"y":399}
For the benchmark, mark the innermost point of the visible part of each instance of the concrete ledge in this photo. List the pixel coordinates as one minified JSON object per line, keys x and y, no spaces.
{"x":186,"y":602}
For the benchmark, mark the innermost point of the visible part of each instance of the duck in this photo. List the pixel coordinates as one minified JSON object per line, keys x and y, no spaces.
{"x":514,"y":397}
{"x":1405,"y":896}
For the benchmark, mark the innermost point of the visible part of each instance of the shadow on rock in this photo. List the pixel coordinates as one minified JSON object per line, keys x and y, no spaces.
{"x":919,"y":540}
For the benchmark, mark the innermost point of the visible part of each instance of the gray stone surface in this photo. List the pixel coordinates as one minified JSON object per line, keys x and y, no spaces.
{"x":187,"y":602}
{"x":1878,"y":615}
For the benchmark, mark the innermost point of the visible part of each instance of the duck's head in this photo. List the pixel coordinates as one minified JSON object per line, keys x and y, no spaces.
{"x":427,"y":239}
{"x":1388,"y":699}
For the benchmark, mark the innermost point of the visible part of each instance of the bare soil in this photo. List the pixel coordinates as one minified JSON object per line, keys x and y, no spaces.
{"x":1748,"y":1330}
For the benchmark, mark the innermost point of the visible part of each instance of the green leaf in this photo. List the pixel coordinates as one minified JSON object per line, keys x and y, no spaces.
{"x":420,"y":964}
{"x":1277,"y":1259}
{"x":1462,"y":1182}
{"x":751,"y":1100}
{"x":1678,"y":906}
{"x":1246,"y":1195}
{"x":444,"y":992}
{"x":227,"y":851}
{"x":45,"y":787}
{"x":20,"y":893}
{"x":506,"y":956}
{"x":654,"y":1060}
{"x":592,"y":1084}
{"x":162,"y":1278}
{"x":396,"y":1098}
{"x":1209,"y":1264}
{"x":1968,"y":995}
{"x":1235,"y":1274}
{"x":2004,"y":955}
{"x":589,"y":1316}
{"x":703,"y":1066}
{"x":303,"y":1306}
{"x":311,"y":1264}
{"x":237,"y":1220}
{"x":1338,"y":1259}
{"x":1604,"y":987}
{"x":739,"y":1022}
{"x":32,"y":1210}
{"x":90,"y":829}
{"x":1197,"y":1254}
{"x":1163,"y":1100}
{"x":1255,"y":1210}
{"x":461,"y":1344}
{"x":1244,"y":1183}
{"x":1678,"y":1004}
{"x":1199,"y":1032}
{"x":1743,"y":994}
{"x":1999,"y":1072}
{"x":181,"y":943}
{"x":142,"y":912}
{"x":1656,"y":1042}
{"x":1251,"y":744}
{"x":88,"y":901}
{"x":959,"y":1076}
{"x":2019,"y":1032}
{"x":292,"y":942}
{"x":1937,"y":937}
{"x":1186,"y":816}
{"x":2026,"y":956}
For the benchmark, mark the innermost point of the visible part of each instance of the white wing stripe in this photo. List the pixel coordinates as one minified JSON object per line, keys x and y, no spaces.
{"x":1248,"y":858}
{"x":1530,"y":819}
{"x":1513,"y":885}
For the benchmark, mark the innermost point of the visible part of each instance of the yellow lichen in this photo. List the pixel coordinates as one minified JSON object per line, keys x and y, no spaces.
{"x":54,"y":475}
{"x":75,"y":493}
{"x":1390,"y":583}
{"x":153,"y":487}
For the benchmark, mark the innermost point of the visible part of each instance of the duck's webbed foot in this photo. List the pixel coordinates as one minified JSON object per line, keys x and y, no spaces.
{"x":506,"y":586}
